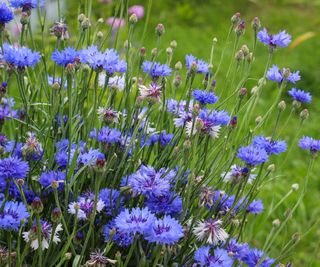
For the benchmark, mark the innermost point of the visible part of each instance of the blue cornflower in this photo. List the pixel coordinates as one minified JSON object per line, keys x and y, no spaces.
{"x":300,"y":95}
{"x":237,"y":250}
{"x":112,"y":63}
{"x":281,"y":39}
{"x":204,"y":97}
{"x":6,"y":15}
{"x":6,"y":109}
{"x":14,"y":215}
{"x":50,"y":177}
{"x":121,"y":238}
{"x":252,"y":155}
{"x":148,"y":181}
{"x":255,"y":207}
{"x":175,"y":107}
{"x":13,"y":168}
{"x":92,"y":56}
{"x":14,"y":192}
{"x":220,"y":257}
{"x":155,"y":69}
{"x":256,"y":257}
{"x":90,"y":157}
{"x":168,"y":203}
{"x":165,"y":231}
{"x":111,"y":199}
{"x":270,"y":146}
{"x":276,"y":75}
{"x":20,"y":57}
{"x":163,"y":138}
{"x":67,"y":56}
{"x":135,"y":221}
{"x":107,"y":135}
{"x":202,"y":67}
{"x":26,"y":4}
{"x":308,"y":143}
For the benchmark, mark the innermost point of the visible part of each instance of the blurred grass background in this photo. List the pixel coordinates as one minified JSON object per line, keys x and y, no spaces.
{"x":193,"y":24}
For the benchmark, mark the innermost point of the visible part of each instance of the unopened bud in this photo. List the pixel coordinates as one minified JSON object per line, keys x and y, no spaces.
{"x":56,"y":86}
{"x":81,"y":17}
{"x":196,"y":109}
{"x":37,"y":205}
{"x":243,"y":91}
{"x":143,"y":52}
{"x":133,"y":19}
{"x":154,"y":52}
{"x":296,"y":104}
{"x":68,"y":256}
{"x":239,"y":55}
{"x":160,"y":30}
{"x":236,"y":18}
{"x":20,"y":182}
{"x":245,"y":50}
{"x":100,"y":35}
{"x":85,"y":24}
{"x":187,"y":144}
{"x":235,"y":222}
{"x":100,"y":21}
{"x":295,"y":187}
{"x":256,"y":24}
{"x":56,"y":215}
{"x":169,"y":51}
{"x":250,"y":57}
{"x":254,"y":90}
{"x":258,"y":119}
{"x":304,"y":114}
{"x":282,"y":105}
{"x":240,"y":29}
{"x":178,"y":66}
{"x":177,"y":81}
{"x":173,"y":44}
{"x":25,"y":18}
{"x":271,"y":168}
{"x":276,"y":223}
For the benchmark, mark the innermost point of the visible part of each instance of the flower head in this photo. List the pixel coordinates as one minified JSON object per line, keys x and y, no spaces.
{"x":202,"y":67}
{"x":13,"y":168}
{"x":26,"y":5}
{"x":204,"y":97}
{"x":135,"y":220}
{"x":13,"y":215}
{"x":300,"y":95}
{"x":210,"y":231}
{"x":256,"y":257}
{"x":219,"y":258}
{"x":20,"y":57}
{"x":137,"y":10}
{"x":167,"y":203}
{"x":255,"y":207}
{"x":270,"y":146}
{"x":67,"y":56}
{"x":281,"y":39}
{"x":48,"y":179}
{"x":309,"y":143}
{"x":237,"y":173}
{"x":276,"y":75}
{"x":46,"y":233}
{"x":152,"y":92}
{"x":155,"y":69}
{"x":111,"y":199}
{"x":107,"y":135}
{"x":237,"y":250}
{"x":252,"y":155}
{"x":165,"y":231}
{"x":6,"y":15}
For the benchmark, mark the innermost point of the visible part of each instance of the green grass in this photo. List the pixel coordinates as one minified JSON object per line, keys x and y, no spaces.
{"x":193,"y":24}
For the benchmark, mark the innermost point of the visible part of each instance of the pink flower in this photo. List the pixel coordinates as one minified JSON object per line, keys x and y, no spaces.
{"x":116,"y":22}
{"x":138,"y":10}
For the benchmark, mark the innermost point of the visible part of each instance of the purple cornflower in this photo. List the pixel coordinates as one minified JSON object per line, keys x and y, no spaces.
{"x":256,"y":257}
{"x":148,"y":181}
{"x":107,"y":135}
{"x":276,"y":75}
{"x":165,"y":231}
{"x":300,"y":95}
{"x":20,"y":57}
{"x":13,"y":168}
{"x":6,"y":15}
{"x":252,"y":155}
{"x":202,"y":67}
{"x":168,"y":203}
{"x":122,"y":239}
{"x":270,"y":146}
{"x":155,"y":69}
{"x":255,"y":207}
{"x":85,"y":206}
{"x":32,"y":148}
{"x":281,"y":39}
{"x":67,"y":56}
{"x":204,"y":97}
{"x":220,"y":257}
{"x":135,"y":221}
{"x":26,"y":5}
{"x":210,"y":231}
{"x":308,"y":143}
{"x":52,"y":179}
{"x":13,"y":215}
{"x":111,"y":199}
{"x":237,"y":250}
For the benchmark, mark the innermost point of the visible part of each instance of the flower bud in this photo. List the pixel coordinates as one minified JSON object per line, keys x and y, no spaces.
{"x":100,"y":21}
{"x":286,"y":73}
{"x":154,"y":52}
{"x":296,"y":104}
{"x":55,"y":86}
{"x":271,"y":168}
{"x":235,"y":222}
{"x":236,"y":18}
{"x":295,"y":187}
{"x":56,"y":215}
{"x":81,"y":17}
{"x":177,"y":81}
{"x":276,"y":223}
{"x":256,"y":24}
{"x":55,"y":184}
{"x":258,"y":119}
{"x":296,"y":237}
{"x":196,"y":109}
{"x":24,"y":18}
{"x":250,"y":57}
{"x":37,"y":205}
{"x":282,"y":105}
{"x":240,"y":29}
{"x":169,"y":51}
{"x":187,"y":144}
{"x":68,"y":255}
{"x":243,"y":91}
{"x":20,"y":182}
{"x":239,"y":55}
{"x":254,"y":90}
{"x":173,"y":44}
{"x":178,"y":66}
{"x":304,"y":114}
{"x":85,"y":24}
{"x":160,"y":30}
{"x":262,"y":82}
{"x":99,"y":35}
{"x":133,"y":19}
{"x":142,"y":52}
{"x":245,"y":50}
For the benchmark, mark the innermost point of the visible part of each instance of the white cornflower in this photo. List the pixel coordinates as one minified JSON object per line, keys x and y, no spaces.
{"x":210,"y":231}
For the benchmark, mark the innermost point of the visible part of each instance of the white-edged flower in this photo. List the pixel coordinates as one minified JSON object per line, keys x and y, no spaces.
{"x":152,"y":92}
{"x":210,"y":231}
{"x":115,"y":82}
{"x":108,"y":115}
{"x":46,"y":232}
{"x":203,"y":127}
{"x":85,"y":206}
{"x":237,"y":173}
